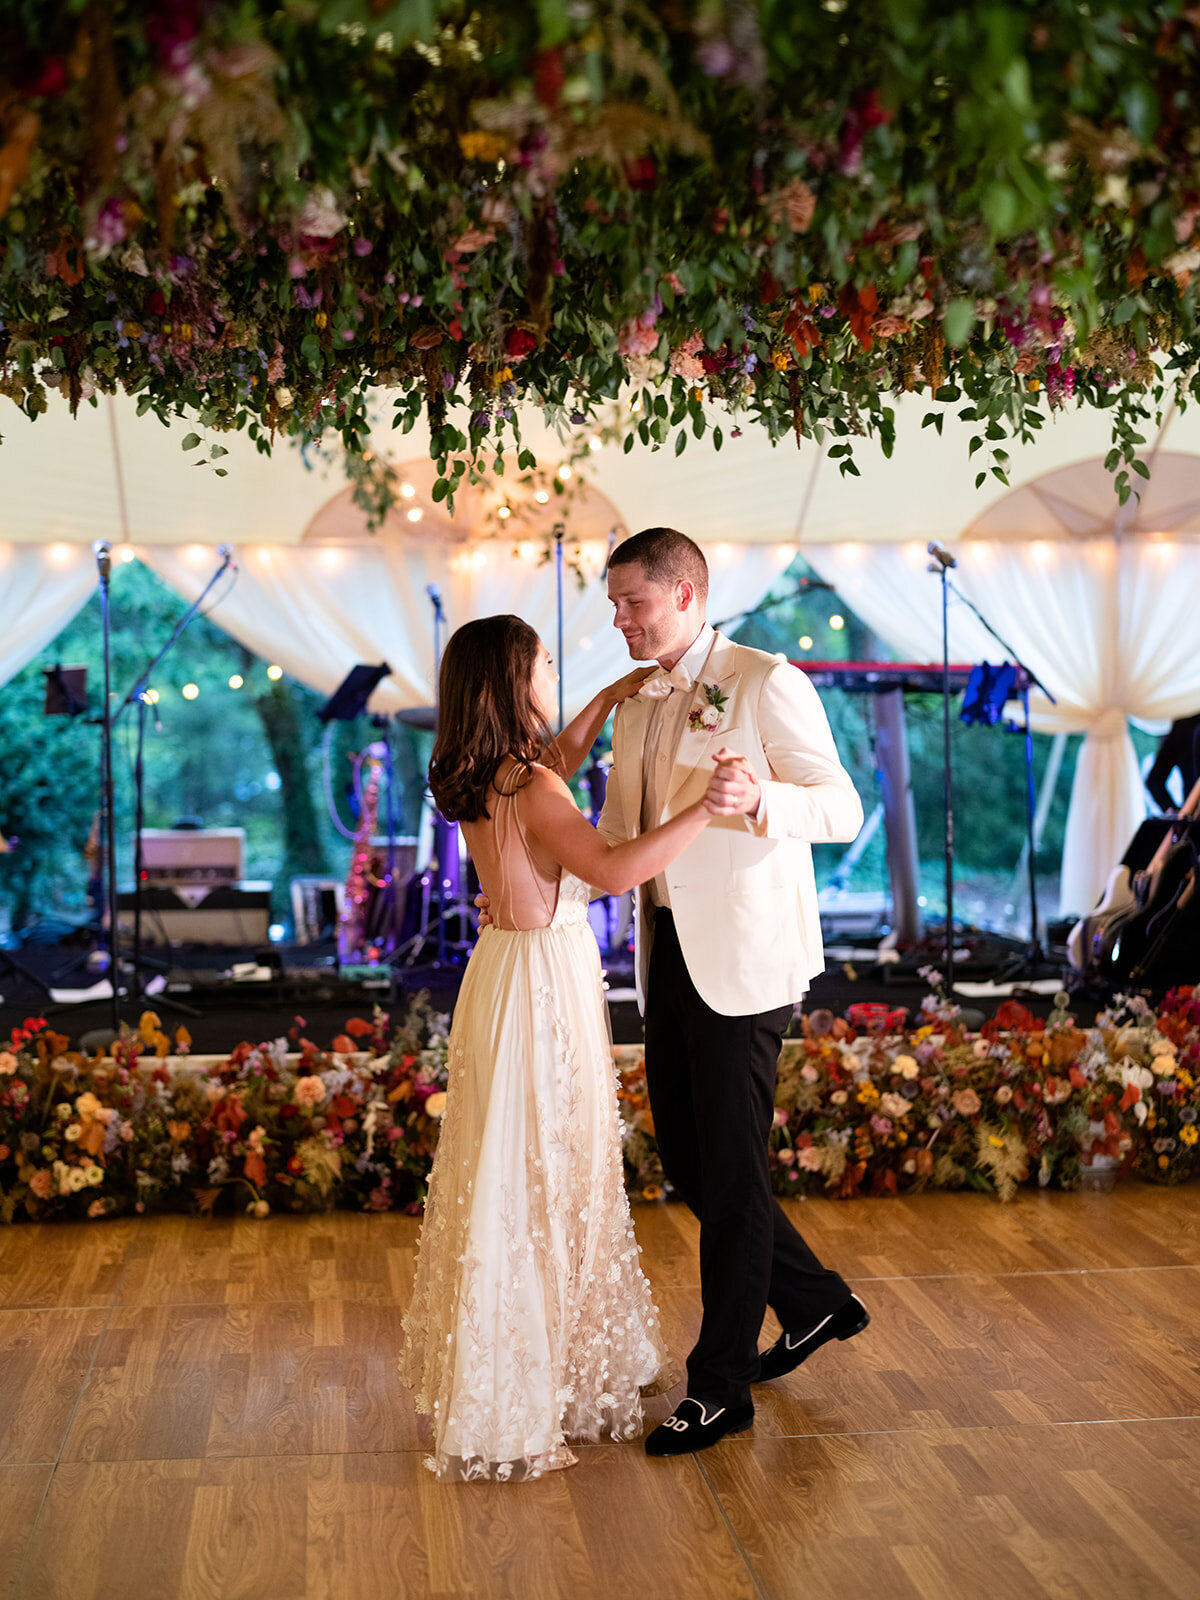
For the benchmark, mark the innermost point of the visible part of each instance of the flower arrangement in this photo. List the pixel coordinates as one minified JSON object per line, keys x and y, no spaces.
{"x":93,"y":1136}
{"x":877,"y":1113}
{"x":257,"y":215}
{"x":857,"y":1112}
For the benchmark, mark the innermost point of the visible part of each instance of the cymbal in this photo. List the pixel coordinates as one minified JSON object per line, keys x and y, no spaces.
{"x":419,"y":717}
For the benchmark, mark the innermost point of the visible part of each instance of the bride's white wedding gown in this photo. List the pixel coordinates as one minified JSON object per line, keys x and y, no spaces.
{"x":530,"y":1322}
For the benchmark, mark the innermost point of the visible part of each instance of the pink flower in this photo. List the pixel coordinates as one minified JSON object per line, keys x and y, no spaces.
{"x":635,"y":340}
{"x":810,"y":1159}
{"x":42,"y":1185}
{"x":966,"y":1102}
{"x":685,"y":361}
{"x":309,"y":1091}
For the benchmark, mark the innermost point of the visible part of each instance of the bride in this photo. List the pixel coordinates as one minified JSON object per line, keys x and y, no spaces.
{"x":530,"y":1321}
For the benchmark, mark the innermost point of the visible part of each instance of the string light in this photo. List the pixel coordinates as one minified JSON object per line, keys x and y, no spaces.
{"x":595,"y":442}
{"x":60,"y":554}
{"x":151,"y":697}
{"x":407,"y":490}
{"x":806,"y":641}
{"x":190,"y":691}
{"x":541,"y":497}
{"x":837,"y":622}
{"x":126,"y":553}
{"x":274,"y":673}
{"x":415,"y":514}
{"x":564,"y":473}
{"x":236,"y":681}
{"x":504,"y":513}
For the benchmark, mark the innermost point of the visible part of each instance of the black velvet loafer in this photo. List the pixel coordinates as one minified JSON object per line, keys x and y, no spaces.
{"x":791,"y":1349}
{"x":695,"y":1424}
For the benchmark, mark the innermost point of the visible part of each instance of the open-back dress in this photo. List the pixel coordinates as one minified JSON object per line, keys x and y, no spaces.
{"x":530,"y":1321}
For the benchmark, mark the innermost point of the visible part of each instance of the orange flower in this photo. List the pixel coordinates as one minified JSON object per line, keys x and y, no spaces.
{"x":179,"y":1131}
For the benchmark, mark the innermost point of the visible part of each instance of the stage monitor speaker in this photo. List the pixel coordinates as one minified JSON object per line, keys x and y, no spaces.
{"x":200,"y":857}
{"x":226,"y":914}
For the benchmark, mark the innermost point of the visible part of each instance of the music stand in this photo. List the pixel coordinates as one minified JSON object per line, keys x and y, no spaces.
{"x":65,"y":691}
{"x":349,"y":699}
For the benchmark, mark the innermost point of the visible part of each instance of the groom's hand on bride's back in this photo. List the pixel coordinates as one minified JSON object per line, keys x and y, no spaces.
{"x":733,"y":787}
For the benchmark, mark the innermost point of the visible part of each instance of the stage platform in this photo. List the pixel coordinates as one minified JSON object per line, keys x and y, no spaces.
{"x":220,"y":1010}
{"x":198,"y":1409}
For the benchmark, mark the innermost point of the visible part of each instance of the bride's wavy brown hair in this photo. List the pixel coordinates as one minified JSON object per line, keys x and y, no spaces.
{"x":486,"y":713}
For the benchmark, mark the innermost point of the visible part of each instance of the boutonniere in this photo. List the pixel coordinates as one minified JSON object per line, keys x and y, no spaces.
{"x":709,"y":715}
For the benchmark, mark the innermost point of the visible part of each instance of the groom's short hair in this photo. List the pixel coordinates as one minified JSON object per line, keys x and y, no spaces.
{"x":666,"y":556}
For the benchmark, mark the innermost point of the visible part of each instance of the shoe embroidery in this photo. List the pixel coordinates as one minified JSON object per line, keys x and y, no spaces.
{"x":803,"y":1338}
{"x":678,"y":1424}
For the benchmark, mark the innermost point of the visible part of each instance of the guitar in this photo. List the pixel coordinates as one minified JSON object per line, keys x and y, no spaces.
{"x":1158,"y":943}
{"x":1128,"y":888}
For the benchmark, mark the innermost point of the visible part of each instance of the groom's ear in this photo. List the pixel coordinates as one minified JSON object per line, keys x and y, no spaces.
{"x":685,"y":593}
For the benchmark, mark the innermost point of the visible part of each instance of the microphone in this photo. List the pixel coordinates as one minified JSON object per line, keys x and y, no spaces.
{"x":225,"y":551}
{"x":102,"y":550}
{"x":943,"y":557}
{"x":435,"y":594}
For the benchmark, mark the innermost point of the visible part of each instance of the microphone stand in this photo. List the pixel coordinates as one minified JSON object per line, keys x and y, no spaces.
{"x":941,"y":563}
{"x":1034,"y":956}
{"x":559,"y":530}
{"x":103,"y":552}
{"x":137,"y":695}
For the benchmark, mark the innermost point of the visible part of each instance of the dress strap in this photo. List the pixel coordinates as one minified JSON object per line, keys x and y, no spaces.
{"x":508,"y":815}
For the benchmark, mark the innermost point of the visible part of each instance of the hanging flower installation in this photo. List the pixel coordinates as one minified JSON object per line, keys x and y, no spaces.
{"x":256,"y":215}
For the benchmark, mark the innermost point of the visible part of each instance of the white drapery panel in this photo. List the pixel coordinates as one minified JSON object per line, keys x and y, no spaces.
{"x":42,"y":586}
{"x":1110,"y":626}
{"x":318,"y":610}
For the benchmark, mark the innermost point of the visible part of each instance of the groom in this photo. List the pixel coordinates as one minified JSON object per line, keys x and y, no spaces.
{"x":728,"y":939}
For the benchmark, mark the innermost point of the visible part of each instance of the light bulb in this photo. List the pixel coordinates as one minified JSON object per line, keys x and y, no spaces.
{"x":236,"y":681}
{"x":836,"y":622}
{"x":190,"y":691}
{"x":274,"y":673}
{"x":415,"y":514}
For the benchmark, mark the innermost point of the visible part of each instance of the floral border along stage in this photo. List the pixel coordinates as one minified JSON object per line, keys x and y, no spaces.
{"x":858,"y":1112}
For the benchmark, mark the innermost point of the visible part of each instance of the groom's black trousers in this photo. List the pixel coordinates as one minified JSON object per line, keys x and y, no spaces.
{"x":712,"y":1094}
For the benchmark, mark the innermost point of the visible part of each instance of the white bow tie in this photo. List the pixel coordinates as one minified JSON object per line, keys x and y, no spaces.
{"x":664,"y":683}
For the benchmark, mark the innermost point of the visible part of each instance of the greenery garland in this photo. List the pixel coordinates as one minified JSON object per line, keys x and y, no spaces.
{"x":858,"y":1112}
{"x":255,"y":214}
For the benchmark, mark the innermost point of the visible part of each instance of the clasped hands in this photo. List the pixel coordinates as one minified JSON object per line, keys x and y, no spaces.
{"x":733,"y":787}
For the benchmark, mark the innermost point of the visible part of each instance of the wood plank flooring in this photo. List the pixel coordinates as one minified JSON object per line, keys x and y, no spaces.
{"x":206,"y":1410}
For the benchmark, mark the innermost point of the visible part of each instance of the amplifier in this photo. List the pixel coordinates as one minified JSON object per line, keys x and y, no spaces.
{"x":196,"y":856}
{"x":227,"y":914}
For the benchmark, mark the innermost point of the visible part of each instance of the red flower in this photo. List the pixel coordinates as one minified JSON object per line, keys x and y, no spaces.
{"x":156,"y":306}
{"x":50,"y":81}
{"x":296,"y":1166}
{"x":359,"y":1028}
{"x":288,"y":1110}
{"x":519,"y":343}
{"x":548,"y":77}
{"x":33,"y":1024}
{"x":642,"y":173}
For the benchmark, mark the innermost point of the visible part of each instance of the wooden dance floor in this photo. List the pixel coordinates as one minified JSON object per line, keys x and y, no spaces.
{"x":207,"y":1411}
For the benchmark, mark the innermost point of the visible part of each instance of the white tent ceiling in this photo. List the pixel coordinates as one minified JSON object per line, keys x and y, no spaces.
{"x":1100,"y":601}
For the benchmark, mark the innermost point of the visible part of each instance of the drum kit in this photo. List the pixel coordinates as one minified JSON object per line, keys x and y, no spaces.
{"x":430,"y":919}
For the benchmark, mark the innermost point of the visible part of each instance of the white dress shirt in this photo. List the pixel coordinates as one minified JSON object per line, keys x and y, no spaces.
{"x":664,"y":729}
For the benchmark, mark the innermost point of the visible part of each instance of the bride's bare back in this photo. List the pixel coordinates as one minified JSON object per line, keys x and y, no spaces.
{"x":520,"y":880}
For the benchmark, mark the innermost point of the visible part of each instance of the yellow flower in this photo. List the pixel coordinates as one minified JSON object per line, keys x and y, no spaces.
{"x":435,"y":1106}
{"x":320,"y":319}
{"x":1163,"y":1162}
{"x":481,"y":146}
{"x":778,"y":360}
{"x":995,"y":1139}
{"x":1034,"y":386}
{"x":1188,"y":1135}
{"x":652,"y":1191}
{"x":816,"y":292}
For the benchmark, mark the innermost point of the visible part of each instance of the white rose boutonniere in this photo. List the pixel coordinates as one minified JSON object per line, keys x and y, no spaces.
{"x":709,"y":715}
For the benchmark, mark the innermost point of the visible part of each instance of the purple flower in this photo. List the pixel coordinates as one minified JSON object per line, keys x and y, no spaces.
{"x":307,"y":299}
{"x":362,"y":247}
{"x":1167,"y":1087}
{"x":296,"y":268}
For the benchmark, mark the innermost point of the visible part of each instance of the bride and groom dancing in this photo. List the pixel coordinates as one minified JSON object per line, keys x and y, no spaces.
{"x":531,"y":1323}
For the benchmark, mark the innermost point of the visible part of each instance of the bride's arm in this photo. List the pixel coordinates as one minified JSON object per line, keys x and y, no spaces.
{"x":568,"y":751}
{"x":565,"y":834}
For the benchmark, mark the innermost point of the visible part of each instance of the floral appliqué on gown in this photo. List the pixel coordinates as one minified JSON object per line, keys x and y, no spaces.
{"x":531,"y":1322}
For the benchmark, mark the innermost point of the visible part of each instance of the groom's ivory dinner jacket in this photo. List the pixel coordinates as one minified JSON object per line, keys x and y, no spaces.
{"x":743,"y":893}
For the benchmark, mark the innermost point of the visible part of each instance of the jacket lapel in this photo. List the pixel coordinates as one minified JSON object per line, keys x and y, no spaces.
{"x":629,"y":739}
{"x":693,"y":746}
